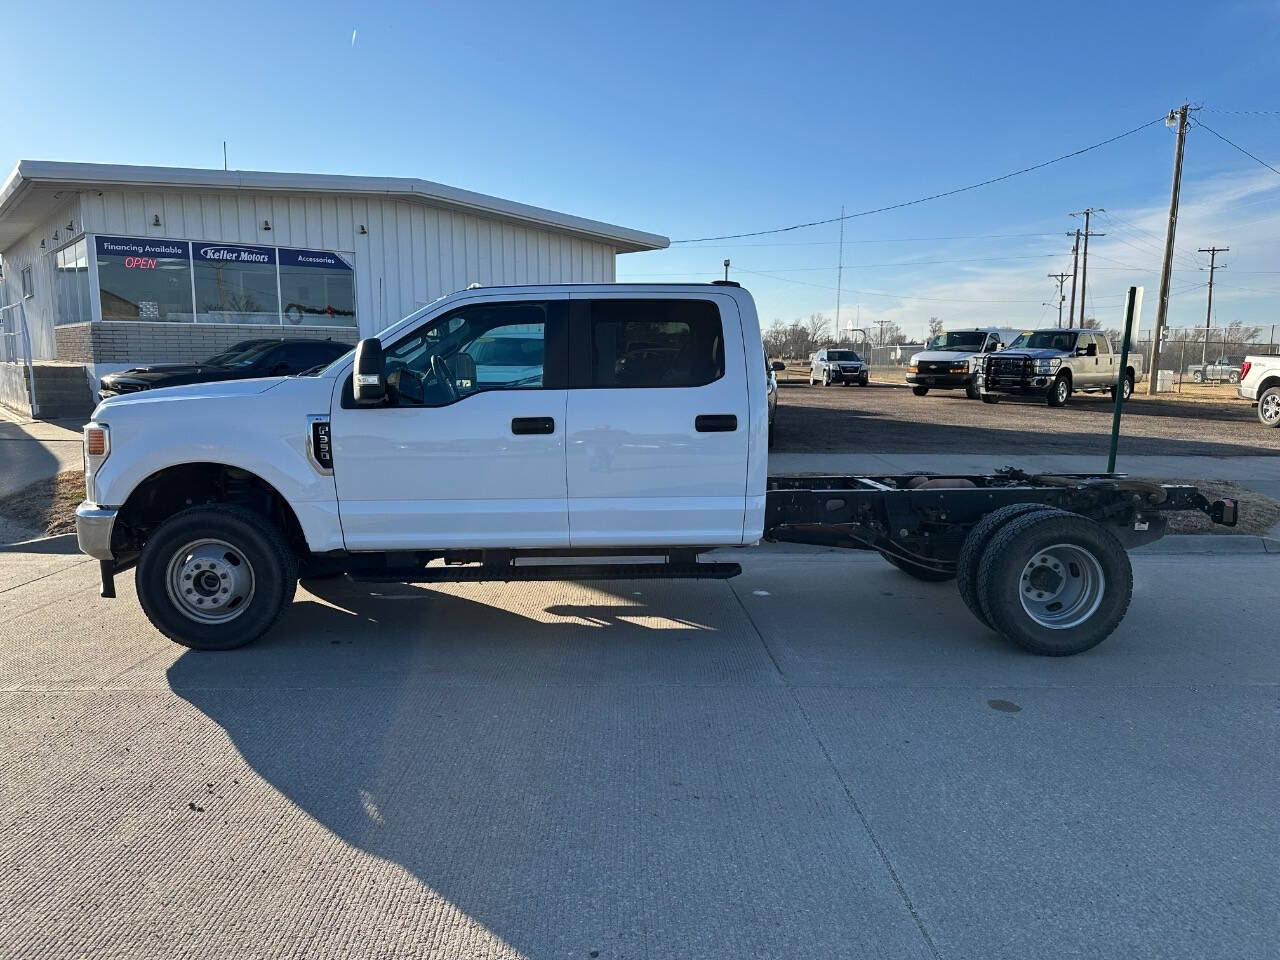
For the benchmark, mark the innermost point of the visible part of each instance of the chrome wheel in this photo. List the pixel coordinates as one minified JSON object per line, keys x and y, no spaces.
{"x":1064,"y":391}
{"x":1269,"y":407}
{"x":1062,"y":586}
{"x":210,"y":581}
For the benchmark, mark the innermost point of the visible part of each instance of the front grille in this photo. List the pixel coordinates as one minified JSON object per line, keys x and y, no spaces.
{"x":1005,"y":366}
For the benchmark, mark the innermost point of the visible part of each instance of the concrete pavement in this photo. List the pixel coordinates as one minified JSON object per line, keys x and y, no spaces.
{"x":32,"y":450}
{"x":820,"y":758}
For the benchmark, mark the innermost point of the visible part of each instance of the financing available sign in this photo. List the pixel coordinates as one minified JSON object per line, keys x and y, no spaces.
{"x":142,"y":247}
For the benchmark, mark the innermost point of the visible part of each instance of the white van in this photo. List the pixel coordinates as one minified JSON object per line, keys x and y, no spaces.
{"x":952,"y":360}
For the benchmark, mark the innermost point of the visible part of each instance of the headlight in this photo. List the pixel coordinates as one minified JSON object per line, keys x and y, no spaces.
{"x":97,"y":447}
{"x":1049,"y":365}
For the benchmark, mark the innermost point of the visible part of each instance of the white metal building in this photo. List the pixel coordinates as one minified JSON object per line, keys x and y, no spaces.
{"x":116,"y":265}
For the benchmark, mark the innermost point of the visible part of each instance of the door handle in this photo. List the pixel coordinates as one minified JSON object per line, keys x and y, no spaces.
{"x":522,"y":426}
{"x":715,"y":423}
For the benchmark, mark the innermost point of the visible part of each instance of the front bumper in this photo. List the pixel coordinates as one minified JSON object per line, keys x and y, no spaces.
{"x":94,"y":525}
{"x":847,"y":376}
{"x":944,"y":380}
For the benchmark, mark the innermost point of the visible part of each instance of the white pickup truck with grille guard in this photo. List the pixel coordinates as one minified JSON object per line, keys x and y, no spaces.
{"x":500,"y":427}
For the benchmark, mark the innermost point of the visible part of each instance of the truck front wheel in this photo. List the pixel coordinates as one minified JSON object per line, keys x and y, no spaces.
{"x":1055,"y":583}
{"x":215,"y":577}
{"x":920,"y":391}
{"x":1060,"y":391}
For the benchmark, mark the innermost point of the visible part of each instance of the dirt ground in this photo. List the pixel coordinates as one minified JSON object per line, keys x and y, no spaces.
{"x":884,"y":418}
{"x":46,"y":507}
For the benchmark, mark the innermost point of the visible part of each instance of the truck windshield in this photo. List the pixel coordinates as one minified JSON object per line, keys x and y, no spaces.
{"x":1046,"y":340}
{"x":971,"y":341}
{"x":846,"y":355}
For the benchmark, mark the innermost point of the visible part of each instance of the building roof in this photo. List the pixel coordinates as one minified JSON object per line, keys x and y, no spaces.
{"x":30,"y":193}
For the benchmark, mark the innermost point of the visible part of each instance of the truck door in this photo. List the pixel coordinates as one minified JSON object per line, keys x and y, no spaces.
{"x":469,"y":452}
{"x":1108,"y":362}
{"x":658,"y":421}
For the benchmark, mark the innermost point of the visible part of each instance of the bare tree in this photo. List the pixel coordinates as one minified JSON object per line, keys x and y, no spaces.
{"x":935,"y":327}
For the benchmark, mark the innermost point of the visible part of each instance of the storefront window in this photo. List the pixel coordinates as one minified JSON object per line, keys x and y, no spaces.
{"x":235,"y":284}
{"x":178,"y":280}
{"x":144,"y":279}
{"x":316,"y":288}
{"x":71,"y":283}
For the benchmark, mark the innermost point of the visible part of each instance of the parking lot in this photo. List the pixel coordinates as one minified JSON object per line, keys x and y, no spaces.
{"x":819,"y":758}
{"x":885,"y":417}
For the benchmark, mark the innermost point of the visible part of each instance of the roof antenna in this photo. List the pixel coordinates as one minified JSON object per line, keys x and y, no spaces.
{"x":224,"y":156}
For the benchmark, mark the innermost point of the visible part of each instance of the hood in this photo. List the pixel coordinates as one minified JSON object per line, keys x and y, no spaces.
{"x":167,"y":374}
{"x":942,"y":356}
{"x":218,"y":390}
{"x":1036,"y":354}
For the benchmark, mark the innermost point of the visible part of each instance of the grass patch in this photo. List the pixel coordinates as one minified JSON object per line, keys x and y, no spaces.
{"x":1258,"y":513}
{"x":47,"y":506}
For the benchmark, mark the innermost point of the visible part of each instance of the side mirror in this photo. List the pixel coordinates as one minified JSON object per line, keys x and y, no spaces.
{"x":462,"y":367}
{"x":777,"y":366}
{"x":369,"y":383}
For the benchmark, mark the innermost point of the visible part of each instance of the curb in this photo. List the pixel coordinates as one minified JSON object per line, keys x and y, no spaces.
{"x":1210,"y":544}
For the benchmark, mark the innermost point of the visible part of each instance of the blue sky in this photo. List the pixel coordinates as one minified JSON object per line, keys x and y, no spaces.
{"x":691,"y":120}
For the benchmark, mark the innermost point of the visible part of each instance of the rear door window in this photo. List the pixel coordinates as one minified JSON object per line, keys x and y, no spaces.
{"x":655,"y":343}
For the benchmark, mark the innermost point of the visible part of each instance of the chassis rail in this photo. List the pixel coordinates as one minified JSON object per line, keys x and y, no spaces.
{"x":924,"y":519}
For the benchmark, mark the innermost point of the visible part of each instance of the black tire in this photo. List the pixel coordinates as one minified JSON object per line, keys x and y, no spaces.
{"x":1269,"y":407}
{"x":975,"y":545}
{"x":920,"y":391}
{"x":1003,"y":582}
{"x":770,"y":434}
{"x":991,"y":398}
{"x":1059,"y":391}
{"x":863,"y":380}
{"x":1128,"y":387}
{"x":971,"y":391}
{"x":920,"y":572}
{"x":272,"y":563}
{"x":826,"y":379}
{"x":1233,"y":376}
{"x":1198,"y":376}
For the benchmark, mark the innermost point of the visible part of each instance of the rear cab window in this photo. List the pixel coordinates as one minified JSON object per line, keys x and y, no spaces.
{"x":652,"y":344}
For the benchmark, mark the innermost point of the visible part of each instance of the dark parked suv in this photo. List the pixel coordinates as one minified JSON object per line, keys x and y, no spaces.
{"x":245,"y":360}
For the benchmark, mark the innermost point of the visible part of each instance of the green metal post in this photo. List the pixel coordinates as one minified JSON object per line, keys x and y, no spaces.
{"x":1129,"y":302}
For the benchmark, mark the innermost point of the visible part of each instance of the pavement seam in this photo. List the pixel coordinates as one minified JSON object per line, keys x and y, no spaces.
{"x":844,"y":785}
{"x":44,"y":576}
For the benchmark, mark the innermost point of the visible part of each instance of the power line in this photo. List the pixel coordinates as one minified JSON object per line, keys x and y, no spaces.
{"x":935,"y":196}
{"x":832,"y":243}
{"x":1200,"y":123}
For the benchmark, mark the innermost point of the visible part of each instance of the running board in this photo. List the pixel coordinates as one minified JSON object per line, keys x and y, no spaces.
{"x":556,"y":571}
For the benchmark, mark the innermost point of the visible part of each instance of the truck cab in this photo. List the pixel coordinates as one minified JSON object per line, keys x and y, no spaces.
{"x":567,"y":419}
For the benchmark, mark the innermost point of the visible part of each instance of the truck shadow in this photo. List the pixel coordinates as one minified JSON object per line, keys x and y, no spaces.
{"x":521,"y":769}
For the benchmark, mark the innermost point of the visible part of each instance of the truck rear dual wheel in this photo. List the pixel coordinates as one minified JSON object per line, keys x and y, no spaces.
{"x":216,"y":577}
{"x":975,"y":545}
{"x":1054,"y":582}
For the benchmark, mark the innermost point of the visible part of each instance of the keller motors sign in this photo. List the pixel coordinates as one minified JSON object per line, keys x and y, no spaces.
{"x":229,"y":253}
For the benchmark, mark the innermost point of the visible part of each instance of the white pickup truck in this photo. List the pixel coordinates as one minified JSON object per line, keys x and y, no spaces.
{"x":1260,"y":382}
{"x":631,"y":422}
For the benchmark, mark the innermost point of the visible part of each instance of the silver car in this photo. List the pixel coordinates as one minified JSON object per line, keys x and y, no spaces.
{"x":837,"y":365}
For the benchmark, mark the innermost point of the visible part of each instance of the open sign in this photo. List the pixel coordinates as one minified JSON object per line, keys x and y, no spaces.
{"x":140,"y":263}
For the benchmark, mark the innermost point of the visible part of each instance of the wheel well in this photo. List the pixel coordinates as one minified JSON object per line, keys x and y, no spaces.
{"x":1065,"y":372}
{"x":1268,"y":383}
{"x":1131,"y":373}
{"x":175,"y":488}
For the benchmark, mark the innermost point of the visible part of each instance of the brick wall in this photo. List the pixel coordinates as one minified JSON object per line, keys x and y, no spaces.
{"x":137,"y":342}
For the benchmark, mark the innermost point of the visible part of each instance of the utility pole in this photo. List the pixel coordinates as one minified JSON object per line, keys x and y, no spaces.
{"x":880,"y":332}
{"x":1084,"y":261}
{"x":1061,"y":278}
{"x":1208,"y":312}
{"x":840,"y":273}
{"x":1075,"y":265}
{"x":1176,"y":118}
{"x":726,"y":270}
